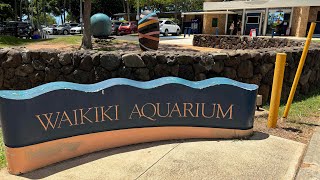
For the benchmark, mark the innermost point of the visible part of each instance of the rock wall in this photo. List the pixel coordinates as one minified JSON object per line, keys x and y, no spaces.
{"x":23,"y":69}
{"x":243,"y":42}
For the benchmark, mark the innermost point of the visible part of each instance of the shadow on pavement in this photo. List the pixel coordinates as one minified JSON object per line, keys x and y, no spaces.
{"x":74,"y":162}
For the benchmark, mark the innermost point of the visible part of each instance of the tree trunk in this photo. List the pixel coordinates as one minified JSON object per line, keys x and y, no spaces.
{"x":44,"y":13}
{"x":38,"y":17}
{"x":64,"y":10}
{"x":28,"y":10}
{"x":61,"y":17}
{"x":70,"y":13}
{"x":20,"y":10}
{"x":15,"y":10}
{"x":176,"y":9}
{"x":124,"y":6}
{"x":86,"y":40}
{"x":128,"y":10}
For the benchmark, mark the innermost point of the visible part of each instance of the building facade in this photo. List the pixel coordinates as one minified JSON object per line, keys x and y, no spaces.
{"x":278,"y":17}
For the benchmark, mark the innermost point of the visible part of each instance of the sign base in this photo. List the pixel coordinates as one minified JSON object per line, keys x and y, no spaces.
{"x":39,"y":155}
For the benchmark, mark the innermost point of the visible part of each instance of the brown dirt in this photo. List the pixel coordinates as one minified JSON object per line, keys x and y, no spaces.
{"x":300,"y":131}
{"x":107,"y":45}
{"x":38,"y":46}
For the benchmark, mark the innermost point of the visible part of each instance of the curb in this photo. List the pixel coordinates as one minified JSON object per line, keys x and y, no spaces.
{"x":310,"y":166}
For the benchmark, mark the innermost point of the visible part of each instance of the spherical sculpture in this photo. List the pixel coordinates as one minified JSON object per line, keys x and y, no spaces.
{"x":149,"y":31}
{"x":101,"y":25}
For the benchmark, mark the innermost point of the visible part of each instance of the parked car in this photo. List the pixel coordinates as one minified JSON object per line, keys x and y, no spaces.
{"x":24,"y":30}
{"x":11,"y":28}
{"x":115,"y":27}
{"x":52,"y":30}
{"x":128,"y":28}
{"x":169,"y":27}
{"x":65,"y":28}
{"x":76,"y":30}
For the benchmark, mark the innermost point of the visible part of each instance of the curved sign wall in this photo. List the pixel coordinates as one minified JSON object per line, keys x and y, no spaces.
{"x":61,"y":120}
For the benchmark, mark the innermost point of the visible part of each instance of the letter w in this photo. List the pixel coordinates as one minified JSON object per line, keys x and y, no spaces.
{"x":48,"y":119}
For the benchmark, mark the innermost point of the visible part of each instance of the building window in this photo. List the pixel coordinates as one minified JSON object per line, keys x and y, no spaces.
{"x":318,"y":16}
{"x":214,"y":22}
{"x":253,"y":19}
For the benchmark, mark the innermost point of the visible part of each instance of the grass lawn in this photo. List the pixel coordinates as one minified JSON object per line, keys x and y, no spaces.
{"x":303,"y":106}
{"x":9,"y":41}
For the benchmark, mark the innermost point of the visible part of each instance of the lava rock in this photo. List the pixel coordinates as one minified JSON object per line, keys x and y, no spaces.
{"x":245,"y":69}
{"x":65,"y":59}
{"x":14,"y":59}
{"x":51,"y":74}
{"x":24,"y":70}
{"x":86,"y":63}
{"x":133,"y":60}
{"x":110,"y":61}
{"x":186,"y":72}
{"x":38,"y":65}
{"x":142,"y":74}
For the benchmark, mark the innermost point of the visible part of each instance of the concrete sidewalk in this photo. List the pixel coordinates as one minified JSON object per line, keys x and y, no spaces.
{"x":310,"y":167}
{"x":260,"y":157}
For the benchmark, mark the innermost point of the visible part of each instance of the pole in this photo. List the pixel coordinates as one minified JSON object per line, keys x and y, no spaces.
{"x":265,"y":23}
{"x":276,"y":89}
{"x":299,"y":70}
{"x":226,"y":26}
{"x":243,"y":21}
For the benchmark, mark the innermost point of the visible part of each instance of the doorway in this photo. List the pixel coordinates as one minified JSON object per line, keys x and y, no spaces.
{"x":252,"y":22}
{"x":237,"y":24}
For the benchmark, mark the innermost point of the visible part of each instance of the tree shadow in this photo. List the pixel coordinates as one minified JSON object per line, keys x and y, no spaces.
{"x":77,"y":161}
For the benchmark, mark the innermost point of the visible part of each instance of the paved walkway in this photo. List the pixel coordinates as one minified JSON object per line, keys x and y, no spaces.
{"x":310,"y":167}
{"x":261,"y":157}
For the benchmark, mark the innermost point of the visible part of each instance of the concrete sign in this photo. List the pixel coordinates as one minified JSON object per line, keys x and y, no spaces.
{"x":61,"y":120}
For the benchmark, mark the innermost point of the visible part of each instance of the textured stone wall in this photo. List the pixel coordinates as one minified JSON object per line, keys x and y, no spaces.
{"x":300,"y":21}
{"x":242,"y":42}
{"x":207,"y":23}
{"x":22,"y":69}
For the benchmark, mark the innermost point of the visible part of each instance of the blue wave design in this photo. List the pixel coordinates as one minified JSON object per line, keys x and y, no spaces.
{"x":39,"y":90}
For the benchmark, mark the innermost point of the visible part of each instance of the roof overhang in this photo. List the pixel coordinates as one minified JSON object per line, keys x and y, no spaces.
{"x":256,"y":4}
{"x":208,"y":12}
